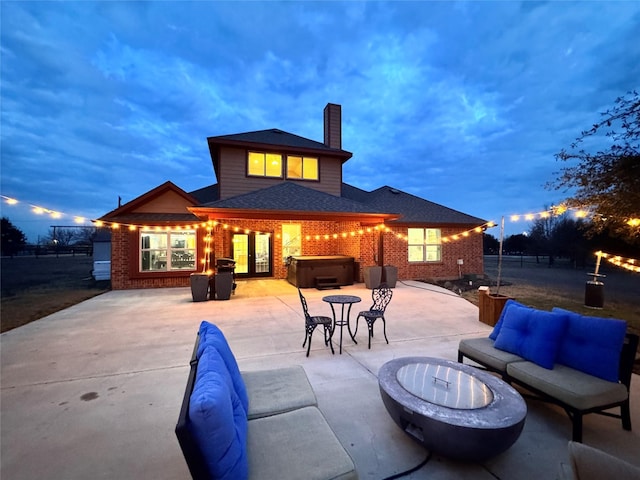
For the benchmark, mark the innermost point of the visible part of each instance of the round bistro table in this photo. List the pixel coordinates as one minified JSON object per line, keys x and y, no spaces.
{"x":454,"y":410}
{"x":342,"y":300}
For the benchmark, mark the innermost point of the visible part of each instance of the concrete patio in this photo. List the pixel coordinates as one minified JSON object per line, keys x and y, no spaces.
{"x":94,"y":391}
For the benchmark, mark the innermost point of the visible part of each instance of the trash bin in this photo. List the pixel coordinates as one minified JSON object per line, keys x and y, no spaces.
{"x":224,"y":279}
{"x":223,"y":285}
{"x":594,"y":294}
{"x":199,"y":286}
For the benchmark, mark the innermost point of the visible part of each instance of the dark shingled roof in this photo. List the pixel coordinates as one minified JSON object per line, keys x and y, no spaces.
{"x":291,"y":196}
{"x":206,"y":194}
{"x":384,"y":200}
{"x":276,"y":137}
{"x":411,"y":208}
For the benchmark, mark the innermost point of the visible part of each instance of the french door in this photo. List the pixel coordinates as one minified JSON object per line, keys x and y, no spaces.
{"x":252,"y":254}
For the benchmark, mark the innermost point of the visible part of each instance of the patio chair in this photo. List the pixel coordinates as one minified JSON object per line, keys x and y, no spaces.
{"x":381,"y":297}
{"x":310,"y":324}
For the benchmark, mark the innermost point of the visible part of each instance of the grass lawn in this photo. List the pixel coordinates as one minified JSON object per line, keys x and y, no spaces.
{"x":33,"y":288}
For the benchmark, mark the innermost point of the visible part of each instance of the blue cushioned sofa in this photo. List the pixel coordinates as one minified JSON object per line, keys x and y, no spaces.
{"x":253,"y":425}
{"x":581,"y":363}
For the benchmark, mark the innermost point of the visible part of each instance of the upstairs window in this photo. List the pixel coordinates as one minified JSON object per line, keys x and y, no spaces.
{"x":261,"y":164}
{"x":302,"y":168}
{"x":424,"y":245}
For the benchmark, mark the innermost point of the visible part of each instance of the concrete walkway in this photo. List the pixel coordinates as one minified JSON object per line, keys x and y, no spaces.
{"x":94,"y":391}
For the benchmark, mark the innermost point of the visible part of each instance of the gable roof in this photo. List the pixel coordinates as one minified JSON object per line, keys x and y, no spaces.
{"x":276,"y":137}
{"x":140,"y":209}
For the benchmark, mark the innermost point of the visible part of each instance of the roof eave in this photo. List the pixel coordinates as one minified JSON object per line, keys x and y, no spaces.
{"x":344,"y":155}
{"x":252,"y":214}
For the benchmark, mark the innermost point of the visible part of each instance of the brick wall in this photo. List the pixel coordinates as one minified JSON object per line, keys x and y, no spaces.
{"x":469,"y":249}
{"x":335,"y":238}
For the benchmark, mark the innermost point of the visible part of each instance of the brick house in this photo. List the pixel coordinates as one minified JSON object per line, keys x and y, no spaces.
{"x":281,"y":195}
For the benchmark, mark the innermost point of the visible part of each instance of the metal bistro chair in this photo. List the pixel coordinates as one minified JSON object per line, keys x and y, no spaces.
{"x":381,"y":297}
{"x":312,"y":322}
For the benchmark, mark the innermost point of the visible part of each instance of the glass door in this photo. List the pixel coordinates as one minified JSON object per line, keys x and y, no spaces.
{"x":252,"y":253}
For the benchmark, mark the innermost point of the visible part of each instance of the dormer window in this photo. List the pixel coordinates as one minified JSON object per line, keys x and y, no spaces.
{"x":302,"y":168}
{"x":261,"y":164}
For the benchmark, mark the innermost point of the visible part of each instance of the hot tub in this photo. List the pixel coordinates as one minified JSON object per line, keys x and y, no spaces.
{"x":309,"y":271}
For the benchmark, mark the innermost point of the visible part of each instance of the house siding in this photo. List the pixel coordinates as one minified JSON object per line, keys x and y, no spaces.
{"x":233,"y":179}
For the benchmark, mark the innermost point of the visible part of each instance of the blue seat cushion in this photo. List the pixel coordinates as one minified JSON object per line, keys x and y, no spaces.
{"x":218,"y":422}
{"x":210,"y":334}
{"x":592,"y":345}
{"x":508,"y":304}
{"x":532,"y":334}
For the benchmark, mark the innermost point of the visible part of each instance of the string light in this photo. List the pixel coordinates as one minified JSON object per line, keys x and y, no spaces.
{"x":40,"y":210}
{"x":555,"y":210}
{"x":382,"y":228}
{"x":630,"y":264}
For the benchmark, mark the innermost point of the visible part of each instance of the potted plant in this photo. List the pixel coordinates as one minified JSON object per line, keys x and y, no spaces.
{"x":490,"y":305}
{"x":199,"y":286}
{"x":390,"y":275}
{"x":372,"y":276}
{"x":200,"y":281}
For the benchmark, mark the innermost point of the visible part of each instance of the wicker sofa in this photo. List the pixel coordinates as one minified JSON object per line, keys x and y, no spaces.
{"x":581,"y":363}
{"x":257,"y":425}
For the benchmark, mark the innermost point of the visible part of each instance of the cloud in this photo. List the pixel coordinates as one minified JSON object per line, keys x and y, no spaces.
{"x":462,"y":103}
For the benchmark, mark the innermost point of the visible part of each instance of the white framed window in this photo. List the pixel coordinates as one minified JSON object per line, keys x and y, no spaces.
{"x":424,"y":245}
{"x":291,"y":240}
{"x":302,"y":168}
{"x":261,"y":164}
{"x":167,"y":251}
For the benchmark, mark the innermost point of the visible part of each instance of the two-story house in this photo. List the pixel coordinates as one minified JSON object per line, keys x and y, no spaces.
{"x":281,"y":195}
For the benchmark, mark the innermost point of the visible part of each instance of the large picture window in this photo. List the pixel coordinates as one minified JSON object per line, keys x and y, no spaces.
{"x":262,"y":164}
{"x":302,"y":168}
{"x":424,"y":245}
{"x":167,"y":251}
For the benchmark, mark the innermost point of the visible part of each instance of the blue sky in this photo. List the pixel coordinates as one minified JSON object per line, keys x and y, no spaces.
{"x":463,"y":104}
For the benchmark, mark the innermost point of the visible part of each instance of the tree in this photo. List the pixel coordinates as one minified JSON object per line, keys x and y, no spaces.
{"x":516,"y":244}
{"x":62,"y":236}
{"x":490,"y":244}
{"x":568,"y":240}
{"x":607,"y":183}
{"x":541,"y":234}
{"x":13,"y":239}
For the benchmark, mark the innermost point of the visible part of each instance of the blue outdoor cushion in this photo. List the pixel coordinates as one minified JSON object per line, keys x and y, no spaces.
{"x":210,"y":334}
{"x":532,"y":334}
{"x":508,"y":304}
{"x":211,"y":361}
{"x":218,"y":423}
{"x":592,"y":345}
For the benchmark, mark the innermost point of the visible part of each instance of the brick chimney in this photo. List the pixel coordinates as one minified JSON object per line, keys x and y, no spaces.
{"x":333,"y":126}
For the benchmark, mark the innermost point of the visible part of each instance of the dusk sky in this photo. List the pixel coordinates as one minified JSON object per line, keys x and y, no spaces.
{"x":463,"y":104}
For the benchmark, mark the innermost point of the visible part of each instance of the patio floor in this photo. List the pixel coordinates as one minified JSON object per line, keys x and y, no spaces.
{"x":94,"y":391}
